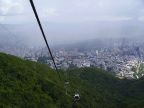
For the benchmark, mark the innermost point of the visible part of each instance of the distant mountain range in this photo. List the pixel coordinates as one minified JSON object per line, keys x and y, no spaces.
{"x":68,"y":33}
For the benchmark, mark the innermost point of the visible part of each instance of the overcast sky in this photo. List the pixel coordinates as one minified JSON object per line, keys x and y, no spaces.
{"x":75,"y":19}
{"x":19,"y":11}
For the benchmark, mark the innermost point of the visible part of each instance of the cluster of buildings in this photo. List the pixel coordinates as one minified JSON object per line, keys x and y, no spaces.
{"x":119,"y":58}
{"x":110,"y":59}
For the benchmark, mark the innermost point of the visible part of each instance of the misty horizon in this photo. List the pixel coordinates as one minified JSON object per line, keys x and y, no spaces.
{"x":70,"y":22}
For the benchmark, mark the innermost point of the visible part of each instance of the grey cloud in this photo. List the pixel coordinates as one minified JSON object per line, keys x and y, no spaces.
{"x":75,"y":10}
{"x":10,"y":7}
{"x":87,"y":10}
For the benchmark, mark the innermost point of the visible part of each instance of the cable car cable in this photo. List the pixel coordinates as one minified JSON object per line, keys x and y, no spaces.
{"x":44,"y":36}
{"x":76,"y":96}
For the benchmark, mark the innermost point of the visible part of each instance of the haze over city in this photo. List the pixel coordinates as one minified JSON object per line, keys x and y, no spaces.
{"x":71,"y":21}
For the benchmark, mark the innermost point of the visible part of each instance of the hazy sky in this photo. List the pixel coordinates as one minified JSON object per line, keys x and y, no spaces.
{"x":19,"y":11}
{"x":71,"y":20}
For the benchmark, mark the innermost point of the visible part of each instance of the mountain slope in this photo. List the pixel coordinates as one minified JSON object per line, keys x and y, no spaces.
{"x":26,"y":84}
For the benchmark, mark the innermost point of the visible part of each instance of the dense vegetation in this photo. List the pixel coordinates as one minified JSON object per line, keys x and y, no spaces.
{"x":26,"y":84}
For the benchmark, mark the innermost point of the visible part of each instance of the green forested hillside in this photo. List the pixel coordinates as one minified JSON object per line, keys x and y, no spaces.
{"x":26,"y":84}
